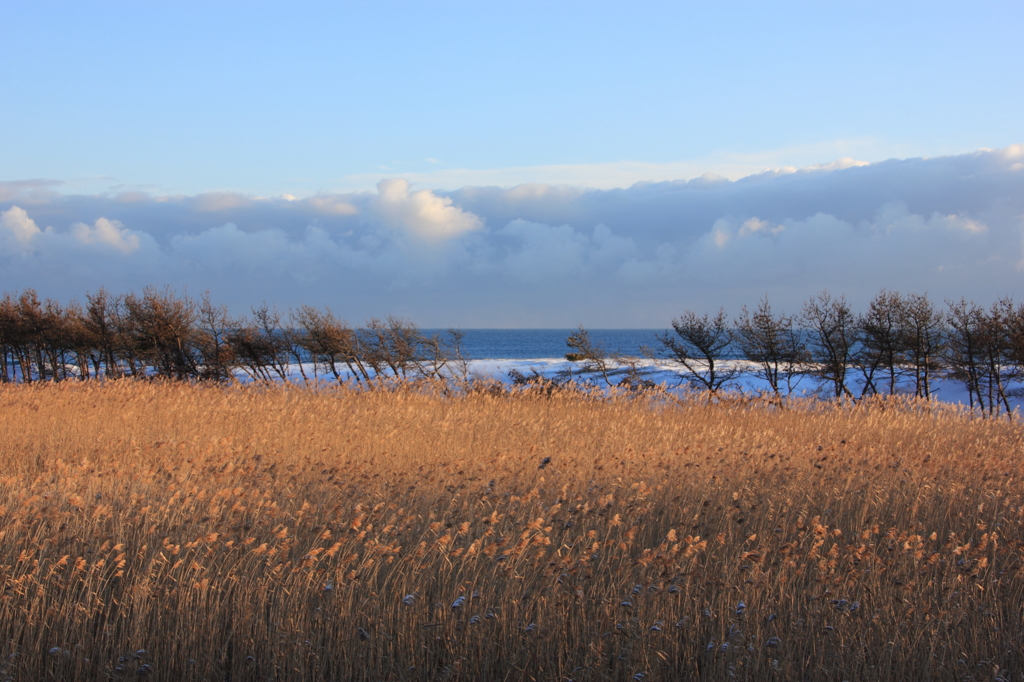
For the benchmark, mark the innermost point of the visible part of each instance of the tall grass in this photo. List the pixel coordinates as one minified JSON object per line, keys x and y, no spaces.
{"x":181,"y":532}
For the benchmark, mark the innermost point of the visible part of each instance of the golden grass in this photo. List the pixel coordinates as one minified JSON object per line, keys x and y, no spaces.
{"x":181,"y":532}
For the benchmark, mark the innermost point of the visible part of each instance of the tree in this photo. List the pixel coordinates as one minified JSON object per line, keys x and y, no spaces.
{"x":100,"y":326}
{"x":772,"y":343}
{"x":162,"y":326}
{"x":1015,"y":340}
{"x":833,"y":336}
{"x":964,"y":353}
{"x":590,"y":356}
{"x":923,"y":330}
{"x":31,"y":322}
{"x":699,"y":346}
{"x":216,"y":356}
{"x":441,"y":356}
{"x":882,"y":341}
{"x":8,"y":321}
{"x":261,"y":347}
{"x":331,"y":343}
{"x":997,"y":352}
{"x":391,"y":346}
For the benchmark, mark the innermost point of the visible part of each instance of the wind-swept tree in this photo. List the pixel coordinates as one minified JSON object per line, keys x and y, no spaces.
{"x":1014,"y":321}
{"x":392,"y":347}
{"x":100,"y":326}
{"x":331,"y":343}
{"x":924,"y":340}
{"x":216,"y":356}
{"x":964,"y":349}
{"x":162,"y":326}
{"x":8,"y":338}
{"x":997,"y":353}
{"x":441,"y":356}
{"x":772,"y":343}
{"x":882,"y":350}
{"x":78,"y":339}
{"x":699,"y":345}
{"x":833,"y":338}
{"x":260,"y":346}
{"x":589,"y":356}
{"x":31,"y":324}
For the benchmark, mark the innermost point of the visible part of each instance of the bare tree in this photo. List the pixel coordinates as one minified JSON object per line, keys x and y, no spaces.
{"x":127,"y":338}
{"x":331,"y":343}
{"x":699,"y":346}
{"x":833,"y":337}
{"x":216,"y":356}
{"x":31,"y":326}
{"x":262,"y":349}
{"x":997,"y":349}
{"x":923,"y":330}
{"x":441,"y":356}
{"x":1015,"y":340}
{"x":457,"y":358}
{"x":771,"y":342}
{"x":80,"y":347}
{"x":8,"y":325}
{"x":882,"y":345}
{"x":591,"y":357}
{"x":964,"y":353}
{"x":163,"y":330}
{"x":101,"y":328}
{"x":19,"y":318}
{"x":392,"y":347}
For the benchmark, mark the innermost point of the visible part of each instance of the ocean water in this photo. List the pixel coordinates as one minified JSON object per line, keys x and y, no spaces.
{"x":527,"y":344}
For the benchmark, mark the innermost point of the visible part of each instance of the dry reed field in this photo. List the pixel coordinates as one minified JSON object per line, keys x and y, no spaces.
{"x":185,"y":532}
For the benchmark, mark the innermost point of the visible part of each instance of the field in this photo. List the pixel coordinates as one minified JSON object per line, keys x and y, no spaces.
{"x":184,"y":532}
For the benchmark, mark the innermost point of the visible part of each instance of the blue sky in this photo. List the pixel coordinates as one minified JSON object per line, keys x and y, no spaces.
{"x":172,"y":120}
{"x":272,"y":98}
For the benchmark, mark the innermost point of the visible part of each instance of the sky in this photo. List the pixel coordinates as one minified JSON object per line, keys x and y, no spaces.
{"x":512,"y":164}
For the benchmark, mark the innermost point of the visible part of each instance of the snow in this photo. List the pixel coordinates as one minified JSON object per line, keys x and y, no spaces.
{"x":661,"y":373}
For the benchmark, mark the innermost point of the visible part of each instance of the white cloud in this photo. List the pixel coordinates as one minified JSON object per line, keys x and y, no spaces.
{"x":17,"y":230}
{"x":758,"y":226}
{"x":107,"y":232}
{"x":421,"y":213}
{"x":552,"y":254}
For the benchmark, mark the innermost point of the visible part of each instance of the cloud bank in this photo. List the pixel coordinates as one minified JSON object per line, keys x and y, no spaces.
{"x":543,"y":255}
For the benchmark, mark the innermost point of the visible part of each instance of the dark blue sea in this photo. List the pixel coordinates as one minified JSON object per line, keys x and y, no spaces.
{"x":524,"y":344}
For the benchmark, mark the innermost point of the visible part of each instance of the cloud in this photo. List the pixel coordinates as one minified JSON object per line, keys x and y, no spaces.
{"x":220,"y":201}
{"x":28,"y":191}
{"x":544,"y":251}
{"x":421,"y":213}
{"x":19,"y":234}
{"x":17,"y":230}
{"x":547,"y":255}
{"x":623,"y":173}
{"x":897,"y":246}
{"x":329,"y":205}
{"x":107,"y":232}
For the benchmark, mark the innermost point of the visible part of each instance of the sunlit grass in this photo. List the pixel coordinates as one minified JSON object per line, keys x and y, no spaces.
{"x":248,"y":533}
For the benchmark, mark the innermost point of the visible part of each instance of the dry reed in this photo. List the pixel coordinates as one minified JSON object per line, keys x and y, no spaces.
{"x":182,"y":532}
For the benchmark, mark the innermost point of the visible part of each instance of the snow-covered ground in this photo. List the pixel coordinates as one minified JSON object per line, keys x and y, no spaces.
{"x":669,"y":376}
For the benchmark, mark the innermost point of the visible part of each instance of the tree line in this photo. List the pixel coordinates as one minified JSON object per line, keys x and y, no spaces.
{"x":900,"y":344}
{"x":161,"y":333}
